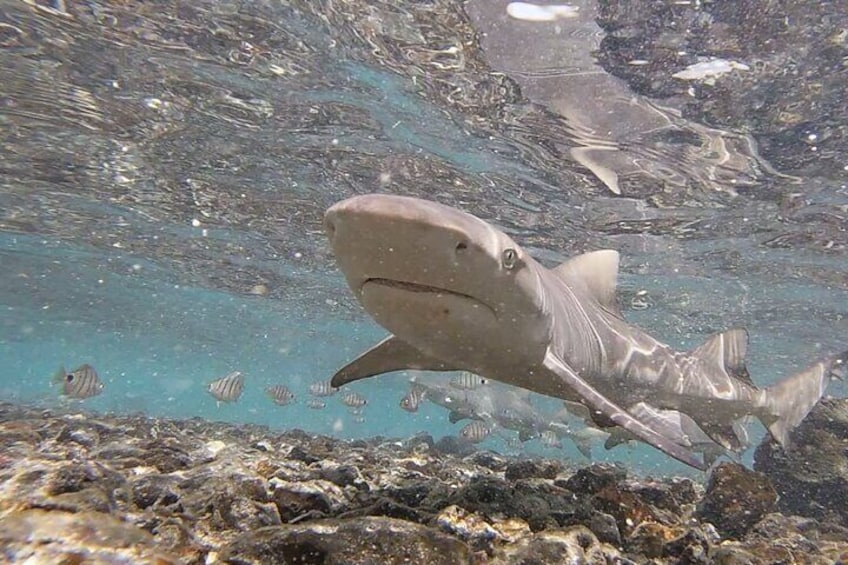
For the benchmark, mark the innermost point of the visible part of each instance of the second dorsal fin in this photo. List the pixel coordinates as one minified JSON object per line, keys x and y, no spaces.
{"x":727,"y":350}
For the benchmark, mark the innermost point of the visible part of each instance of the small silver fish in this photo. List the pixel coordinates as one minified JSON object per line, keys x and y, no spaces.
{"x":475,"y":432}
{"x":353,"y":399}
{"x":227,"y":389}
{"x":413,"y":398}
{"x":315,"y":404}
{"x":280,"y":394}
{"x":467,"y":381}
{"x":81,"y":383}
{"x":549,"y":439}
{"x":322,"y":388}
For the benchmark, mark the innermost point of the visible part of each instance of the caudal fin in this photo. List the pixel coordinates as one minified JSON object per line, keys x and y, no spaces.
{"x":60,"y":375}
{"x":791,"y":399}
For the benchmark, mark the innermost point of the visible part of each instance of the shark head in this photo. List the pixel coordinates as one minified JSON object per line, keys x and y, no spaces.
{"x":438,"y":278}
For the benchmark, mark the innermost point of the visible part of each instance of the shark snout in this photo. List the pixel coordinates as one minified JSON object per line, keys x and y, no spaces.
{"x":377,"y":207}
{"x":358,"y":216}
{"x":373,"y":236}
{"x":396,"y":222}
{"x":332,"y":218}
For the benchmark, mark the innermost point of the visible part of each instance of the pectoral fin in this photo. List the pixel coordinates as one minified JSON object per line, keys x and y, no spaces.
{"x":391,"y":354}
{"x":455,"y":417}
{"x":617,"y":414}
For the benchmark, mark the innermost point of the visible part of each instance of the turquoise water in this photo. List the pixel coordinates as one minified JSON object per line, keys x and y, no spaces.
{"x":157,"y":344}
{"x":149,"y":186}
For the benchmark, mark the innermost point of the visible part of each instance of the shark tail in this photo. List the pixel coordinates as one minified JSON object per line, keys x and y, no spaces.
{"x":790,"y":400}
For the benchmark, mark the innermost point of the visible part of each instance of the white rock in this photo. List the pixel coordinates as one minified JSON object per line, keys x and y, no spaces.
{"x":215,"y":446}
{"x":535,"y":13}
{"x":709,"y":69}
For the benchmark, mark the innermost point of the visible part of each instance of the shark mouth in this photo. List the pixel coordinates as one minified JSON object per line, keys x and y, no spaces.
{"x":415,"y":287}
{"x":423,"y":289}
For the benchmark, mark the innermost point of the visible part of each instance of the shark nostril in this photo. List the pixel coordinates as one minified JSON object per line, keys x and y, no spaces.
{"x":330,"y":228}
{"x":461,"y":246}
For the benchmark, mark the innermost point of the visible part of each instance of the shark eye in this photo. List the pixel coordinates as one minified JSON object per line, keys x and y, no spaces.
{"x":509,"y":258}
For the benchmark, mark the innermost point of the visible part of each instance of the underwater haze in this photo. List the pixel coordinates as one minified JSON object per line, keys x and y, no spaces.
{"x":165,"y":169}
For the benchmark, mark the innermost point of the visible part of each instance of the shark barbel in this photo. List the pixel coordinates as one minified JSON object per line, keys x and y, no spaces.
{"x":456,"y":293}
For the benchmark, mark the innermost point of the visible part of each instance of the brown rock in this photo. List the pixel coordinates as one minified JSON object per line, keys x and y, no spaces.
{"x":529,"y":469}
{"x":593,"y":478}
{"x":573,"y":545}
{"x":40,"y":536}
{"x":628,"y":509}
{"x":293,"y":504}
{"x":649,"y":538}
{"x":736,"y":499}
{"x":358,"y":541}
{"x":812,"y":477}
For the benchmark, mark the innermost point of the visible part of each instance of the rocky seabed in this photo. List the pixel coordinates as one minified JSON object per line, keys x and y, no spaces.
{"x":86,"y":488}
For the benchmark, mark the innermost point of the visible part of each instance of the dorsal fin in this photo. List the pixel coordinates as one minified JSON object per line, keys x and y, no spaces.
{"x":727,"y":350}
{"x":596,"y":272}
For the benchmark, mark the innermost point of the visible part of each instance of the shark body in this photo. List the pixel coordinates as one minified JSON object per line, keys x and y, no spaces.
{"x":456,"y":293}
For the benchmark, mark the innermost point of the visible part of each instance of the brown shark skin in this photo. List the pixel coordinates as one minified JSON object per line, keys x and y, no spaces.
{"x":457,"y":293}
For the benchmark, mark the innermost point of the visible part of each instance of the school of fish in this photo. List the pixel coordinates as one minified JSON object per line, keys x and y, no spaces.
{"x":83,"y":383}
{"x":494,"y":410}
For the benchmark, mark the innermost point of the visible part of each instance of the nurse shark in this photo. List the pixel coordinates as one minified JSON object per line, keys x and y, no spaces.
{"x":456,"y":293}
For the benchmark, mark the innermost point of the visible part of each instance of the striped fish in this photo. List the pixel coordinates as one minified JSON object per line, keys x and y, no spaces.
{"x":322,"y":388}
{"x":549,"y":439}
{"x":413,"y":398}
{"x":467,"y":381}
{"x":81,"y":383}
{"x":315,"y":403}
{"x":353,"y":399}
{"x":475,"y":432}
{"x":280,"y":394}
{"x":227,"y":389}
